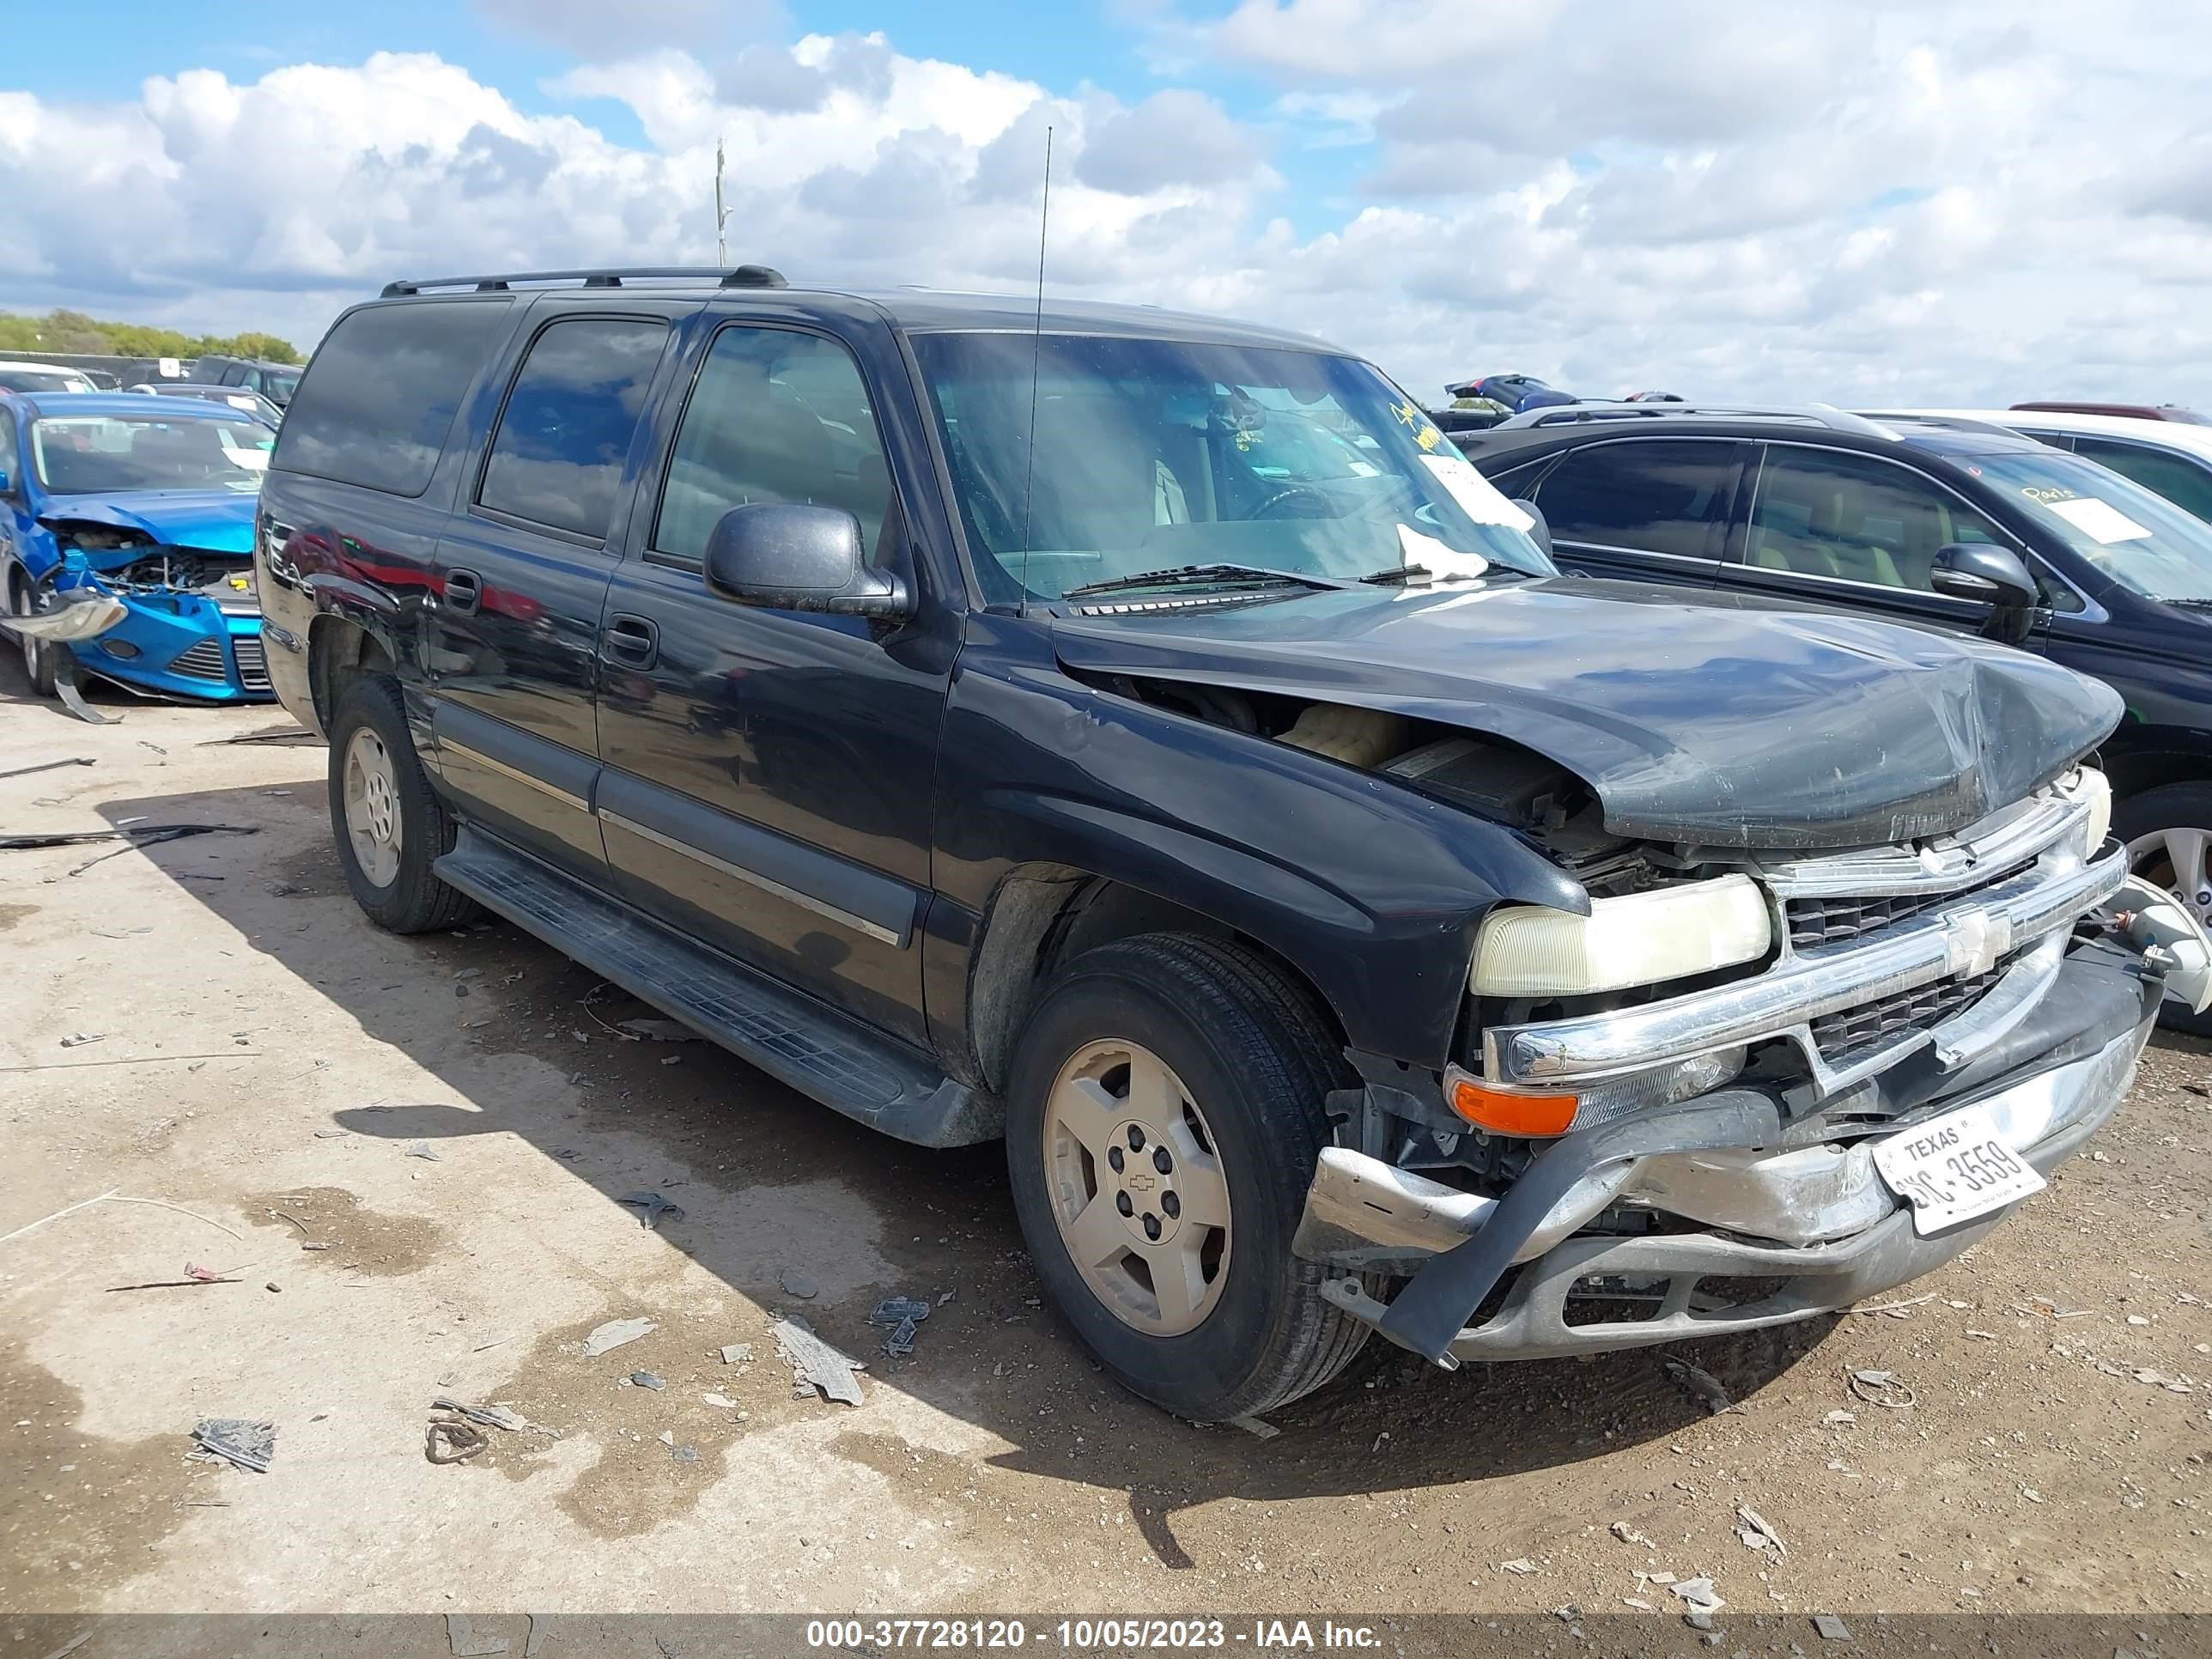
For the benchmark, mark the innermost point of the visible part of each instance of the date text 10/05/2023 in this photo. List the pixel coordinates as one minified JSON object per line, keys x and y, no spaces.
{"x":1110,"y":1635}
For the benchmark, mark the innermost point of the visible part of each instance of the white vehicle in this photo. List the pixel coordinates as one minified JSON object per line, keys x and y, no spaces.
{"x":2173,"y":459}
{"x":41,"y":377}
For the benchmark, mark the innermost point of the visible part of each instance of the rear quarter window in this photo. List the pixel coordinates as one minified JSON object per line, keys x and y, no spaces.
{"x":375,"y":405}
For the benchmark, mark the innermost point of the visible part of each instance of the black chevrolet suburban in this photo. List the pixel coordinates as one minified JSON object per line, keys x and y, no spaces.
{"x":1145,"y":739}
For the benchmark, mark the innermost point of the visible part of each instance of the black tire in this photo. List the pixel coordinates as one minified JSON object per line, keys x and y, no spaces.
{"x":1259,"y":1061}
{"x":38,"y":656}
{"x":414,"y":900}
{"x":2170,"y":806}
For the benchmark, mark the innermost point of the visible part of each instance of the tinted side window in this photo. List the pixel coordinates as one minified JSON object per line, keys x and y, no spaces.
{"x":2186,"y":483}
{"x":1824,"y":512}
{"x":1662,"y":495}
{"x":235,"y":375}
{"x":776,"y":417}
{"x":567,"y":428}
{"x":377,"y":402}
{"x":1516,"y":480}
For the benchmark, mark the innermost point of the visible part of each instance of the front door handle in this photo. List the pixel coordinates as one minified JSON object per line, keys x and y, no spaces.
{"x":632,"y":640}
{"x":464,"y":592}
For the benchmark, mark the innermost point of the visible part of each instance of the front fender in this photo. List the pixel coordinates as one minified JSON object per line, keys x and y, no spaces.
{"x":1371,"y":891}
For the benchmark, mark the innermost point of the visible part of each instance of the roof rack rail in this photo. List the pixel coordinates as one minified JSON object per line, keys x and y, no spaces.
{"x":1821,"y":415}
{"x":1956,"y":423}
{"x":499,"y":283}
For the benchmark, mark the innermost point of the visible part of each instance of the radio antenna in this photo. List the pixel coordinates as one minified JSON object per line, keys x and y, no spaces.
{"x":1036,"y":351}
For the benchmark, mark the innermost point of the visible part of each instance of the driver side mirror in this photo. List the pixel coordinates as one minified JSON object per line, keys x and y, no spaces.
{"x":7,"y":484}
{"x":1990,"y":575}
{"x":1540,"y":531}
{"x":787,"y":557}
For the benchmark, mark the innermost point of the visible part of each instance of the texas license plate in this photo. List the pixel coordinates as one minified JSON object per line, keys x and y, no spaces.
{"x":1953,"y":1167}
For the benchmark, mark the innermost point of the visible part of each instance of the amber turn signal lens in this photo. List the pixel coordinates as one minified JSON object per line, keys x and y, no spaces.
{"x":1505,"y":1113}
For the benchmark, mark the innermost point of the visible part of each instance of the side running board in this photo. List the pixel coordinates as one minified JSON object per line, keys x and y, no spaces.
{"x":793,"y":1038}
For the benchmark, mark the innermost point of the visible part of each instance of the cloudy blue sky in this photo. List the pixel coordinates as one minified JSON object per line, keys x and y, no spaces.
{"x":1867,"y":204}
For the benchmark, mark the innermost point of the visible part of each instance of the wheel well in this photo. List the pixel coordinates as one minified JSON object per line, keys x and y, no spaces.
{"x":337,"y":650}
{"x":1045,"y":915}
{"x":2135,"y":770}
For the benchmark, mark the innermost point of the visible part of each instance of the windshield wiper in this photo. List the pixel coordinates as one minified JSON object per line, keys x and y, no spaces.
{"x":1190,"y":575}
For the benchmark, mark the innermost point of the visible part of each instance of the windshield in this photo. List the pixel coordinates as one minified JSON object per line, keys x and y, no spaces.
{"x":2141,"y":540}
{"x":41,"y":379}
{"x":1155,"y":454}
{"x":279,"y":383}
{"x":99,"y":454}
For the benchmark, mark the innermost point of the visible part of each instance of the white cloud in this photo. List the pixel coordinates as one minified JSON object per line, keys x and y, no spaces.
{"x":1886,"y":202}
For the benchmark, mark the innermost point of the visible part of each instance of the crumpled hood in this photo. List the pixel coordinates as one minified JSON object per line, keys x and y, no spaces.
{"x":1716,"y":719}
{"x":217,"y":520}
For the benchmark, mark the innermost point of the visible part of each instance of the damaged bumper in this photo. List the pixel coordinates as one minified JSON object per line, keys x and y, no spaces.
{"x":179,"y":645}
{"x":1735,"y":1211}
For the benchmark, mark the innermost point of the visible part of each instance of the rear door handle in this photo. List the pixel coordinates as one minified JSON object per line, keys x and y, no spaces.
{"x":632,"y":640}
{"x":464,"y":592}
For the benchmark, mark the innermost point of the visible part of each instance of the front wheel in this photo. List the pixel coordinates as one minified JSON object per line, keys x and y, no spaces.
{"x":1164,"y":1121}
{"x":390,"y":826}
{"x":2169,"y":832}
{"x":38,"y":655}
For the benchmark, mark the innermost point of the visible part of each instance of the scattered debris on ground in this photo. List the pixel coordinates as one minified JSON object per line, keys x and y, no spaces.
{"x":496,"y":1417}
{"x":48,"y":766}
{"x":1830,"y":1628}
{"x":1255,"y":1425}
{"x":658,"y":1030}
{"x":1759,"y":1533}
{"x":1520,"y":1566}
{"x":1702,"y":1385}
{"x":242,"y":1440}
{"x":449,"y":1439}
{"x":815,"y":1363}
{"x":466,"y":1643}
{"x":78,"y":1039}
{"x":614,"y":1333}
{"x":737,"y":1354}
{"x":1881,"y":1387}
{"x":1628,"y":1535}
{"x":651,"y":1207}
{"x":899,"y":1314}
{"x":795,"y":1283}
{"x":651,"y":1380}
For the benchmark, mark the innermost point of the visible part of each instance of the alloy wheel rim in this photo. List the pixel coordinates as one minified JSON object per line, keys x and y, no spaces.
{"x":371,"y":791}
{"x":2178,"y":860}
{"x":1137,"y":1189}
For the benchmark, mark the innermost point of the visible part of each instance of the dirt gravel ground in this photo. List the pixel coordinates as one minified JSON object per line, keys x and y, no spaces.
{"x":453,"y":1118}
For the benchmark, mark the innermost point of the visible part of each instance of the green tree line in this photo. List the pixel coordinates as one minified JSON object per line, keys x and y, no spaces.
{"x":73,"y":332}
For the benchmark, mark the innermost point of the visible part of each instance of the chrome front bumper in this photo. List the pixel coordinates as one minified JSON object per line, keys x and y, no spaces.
{"x":1818,"y":1217}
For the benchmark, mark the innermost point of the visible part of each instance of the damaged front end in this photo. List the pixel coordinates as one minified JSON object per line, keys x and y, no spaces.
{"x":170,"y":620}
{"x":1707,"y":1106}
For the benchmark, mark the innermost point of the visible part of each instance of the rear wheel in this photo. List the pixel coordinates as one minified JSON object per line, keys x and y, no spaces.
{"x":2169,"y":832}
{"x":391,"y":827}
{"x":38,"y":655}
{"x":1164,"y":1121}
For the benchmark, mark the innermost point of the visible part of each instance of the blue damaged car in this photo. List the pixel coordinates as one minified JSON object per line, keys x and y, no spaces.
{"x":126,"y":543}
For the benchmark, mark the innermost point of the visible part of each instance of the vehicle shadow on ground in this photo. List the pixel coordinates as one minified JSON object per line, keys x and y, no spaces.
{"x":992,"y":1358}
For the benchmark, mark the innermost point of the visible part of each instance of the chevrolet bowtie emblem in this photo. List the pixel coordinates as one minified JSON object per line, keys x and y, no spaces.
{"x":1141,"y":1183}
{"x":1974,"y":939}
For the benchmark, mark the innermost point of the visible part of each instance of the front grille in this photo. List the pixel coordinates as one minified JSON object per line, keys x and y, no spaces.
{"x":200,"y":661}
{"x":1842,"y":920}
{"x":252,"y":665}
{"x":1842,"y":1038}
